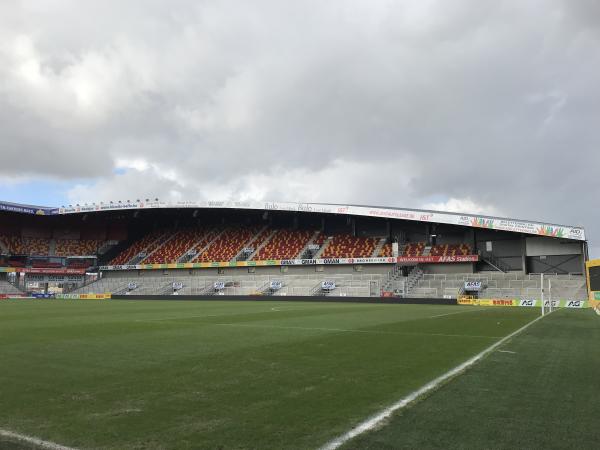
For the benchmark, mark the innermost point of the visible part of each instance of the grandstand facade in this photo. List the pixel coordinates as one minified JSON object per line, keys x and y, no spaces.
{"x":246,"y":248}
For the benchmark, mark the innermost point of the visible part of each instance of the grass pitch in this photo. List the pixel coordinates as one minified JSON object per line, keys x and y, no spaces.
{"x":541,"y":391}
{"x":175,"y":374}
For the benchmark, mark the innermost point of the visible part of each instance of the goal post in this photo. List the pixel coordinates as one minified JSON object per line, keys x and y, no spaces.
{"x":546,"y":303}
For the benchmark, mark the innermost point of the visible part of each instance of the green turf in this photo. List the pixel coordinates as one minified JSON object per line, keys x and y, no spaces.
{"x":546,"y":395}
{"x":175,"y":374}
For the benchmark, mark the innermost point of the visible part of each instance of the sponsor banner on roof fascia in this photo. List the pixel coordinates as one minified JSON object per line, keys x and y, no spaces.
{"x":24,"y":209}
{"x":539,"y":229}
{"x":403,"y":214}
{"x":115,"y":206}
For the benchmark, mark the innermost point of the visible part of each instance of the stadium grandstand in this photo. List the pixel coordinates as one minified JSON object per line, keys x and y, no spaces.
{"x":295,"y":249}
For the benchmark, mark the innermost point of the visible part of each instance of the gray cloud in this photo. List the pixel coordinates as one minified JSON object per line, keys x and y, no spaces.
{"x":490,"y":105}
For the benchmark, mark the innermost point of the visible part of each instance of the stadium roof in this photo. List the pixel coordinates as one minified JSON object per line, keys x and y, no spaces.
{"x":418,"y":215}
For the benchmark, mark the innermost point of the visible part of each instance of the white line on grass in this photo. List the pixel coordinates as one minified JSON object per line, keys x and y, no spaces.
{"x":506,"y":351}
{"x":160,"y":319}
{"x":346,"y":330}
{"x":288,"y":308}
{"x":458,"y":312}
{"x":380,"y":417}
{"x":33,"y":440}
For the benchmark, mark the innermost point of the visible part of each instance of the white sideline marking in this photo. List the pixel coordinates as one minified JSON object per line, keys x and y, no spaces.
{"x":345,"y":330}
{"x":375,"y":420}
{"x":33,"y":440}
{"x":506,"y":351}
{"x":458,"y":312}
{"x":179,"y":318}
{"x":287,"y":308}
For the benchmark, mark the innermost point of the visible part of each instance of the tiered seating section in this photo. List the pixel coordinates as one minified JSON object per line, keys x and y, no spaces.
{"x":386,"y":250}
{"x":175,"y":248}
{"x":414,"y":249}
{"x":260,"y":238}
{"x":205,"y":240}
{"x":320,"y":239}
{"x":450,"y":250}
{"x":216,"y":244}
{"x":26,"y":246}
{"x":227,"y":245}
{"x":71,"y":247}
{"x":347,"y":246}
{"x":285,"y":244}
{"x":137,"y":247}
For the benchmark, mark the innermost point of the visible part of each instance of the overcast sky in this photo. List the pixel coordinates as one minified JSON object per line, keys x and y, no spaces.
{"x":475,"y":106}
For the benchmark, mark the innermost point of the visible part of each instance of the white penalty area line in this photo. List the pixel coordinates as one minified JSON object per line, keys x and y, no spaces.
{"x":37,"y":442}
{"x":380,"y":417}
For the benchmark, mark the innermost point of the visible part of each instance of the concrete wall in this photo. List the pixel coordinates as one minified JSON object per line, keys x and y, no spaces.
{"x":561,"y":264}
{"x":448,"y":268}
{"x":543,"y":246}
{"x":366,"y":269}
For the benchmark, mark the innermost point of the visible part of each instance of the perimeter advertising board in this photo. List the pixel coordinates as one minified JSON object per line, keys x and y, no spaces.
{"x":527,"y":303}
{"x":592,"y":269}
{"x":301,"y":262}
